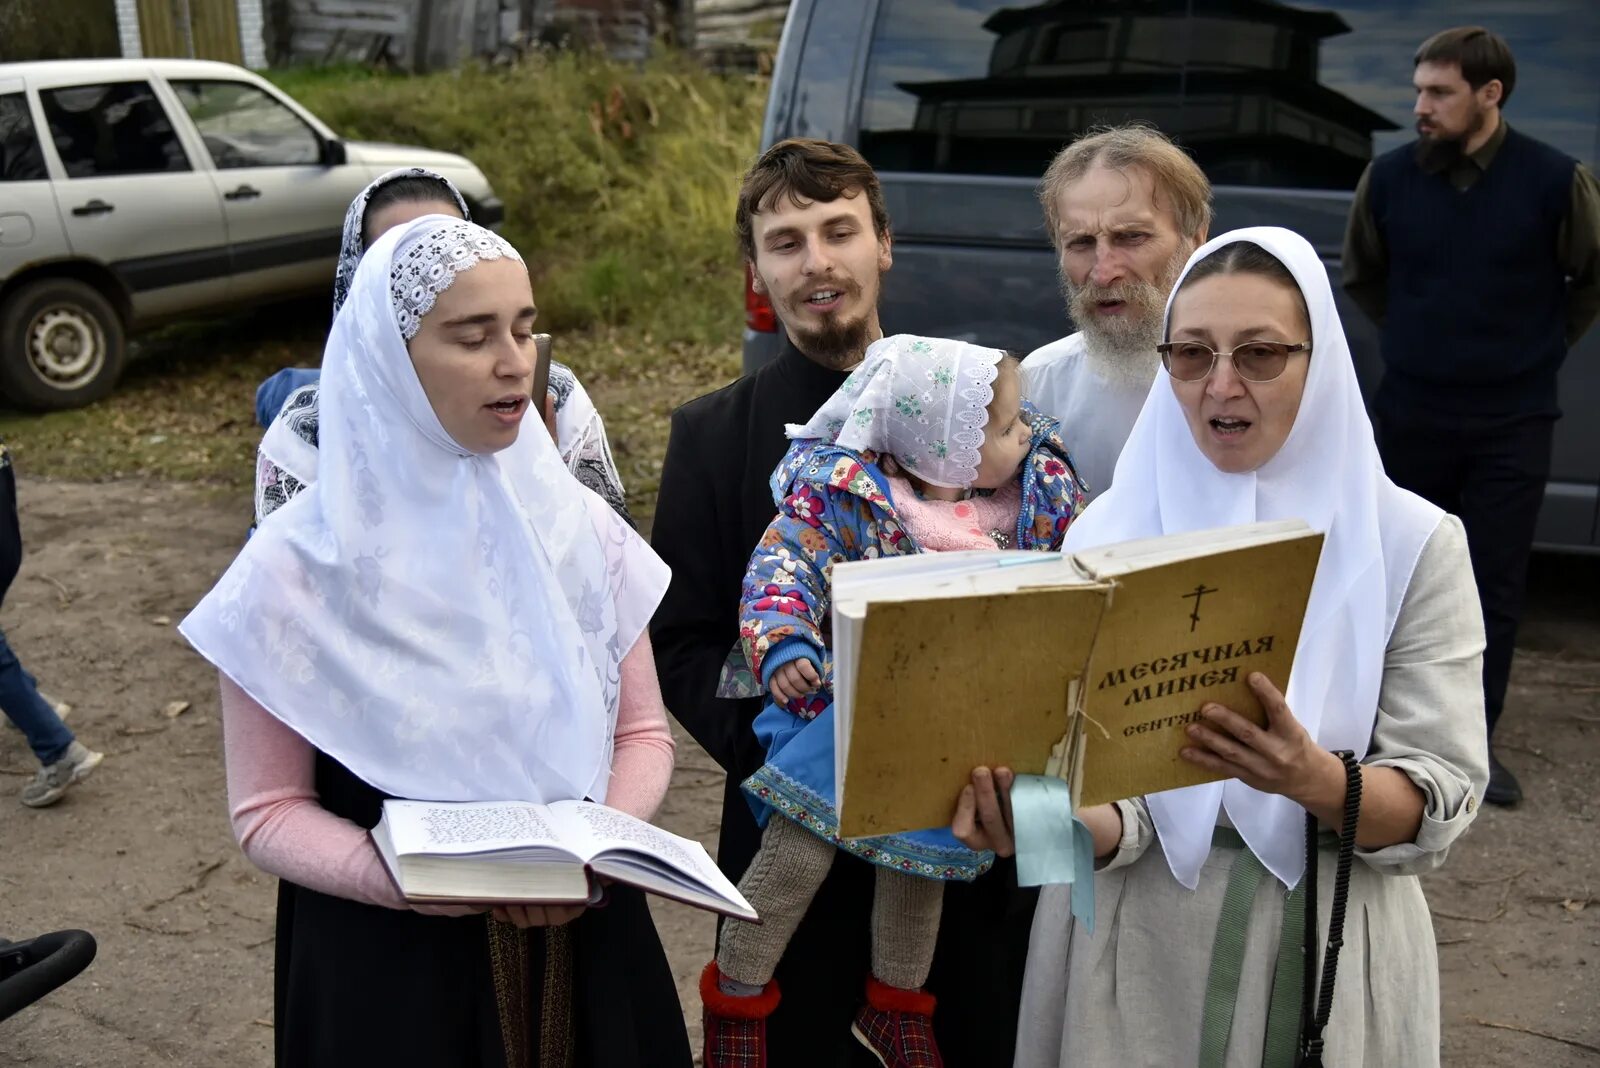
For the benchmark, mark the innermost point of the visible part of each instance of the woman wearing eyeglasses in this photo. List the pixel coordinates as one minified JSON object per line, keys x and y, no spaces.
{"x":1199,"y":948}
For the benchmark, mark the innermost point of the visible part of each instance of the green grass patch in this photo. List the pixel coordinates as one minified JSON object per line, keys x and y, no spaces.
{"x":619,"y":180}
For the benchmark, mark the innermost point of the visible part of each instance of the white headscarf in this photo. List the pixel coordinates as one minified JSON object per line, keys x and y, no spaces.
{"x":1327,"y":473}
{"x":922,"y":400}
{"x":449,"y":626}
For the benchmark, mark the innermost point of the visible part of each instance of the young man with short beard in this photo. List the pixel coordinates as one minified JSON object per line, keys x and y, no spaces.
{"x":815,"y":234}
{"x":1124,"y":207}
{"x":1477,"y":251}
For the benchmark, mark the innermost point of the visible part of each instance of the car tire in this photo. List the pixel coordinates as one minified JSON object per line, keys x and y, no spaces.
{"x":61,"y":345}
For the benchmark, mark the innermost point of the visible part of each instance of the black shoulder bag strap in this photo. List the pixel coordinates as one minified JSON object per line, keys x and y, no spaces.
{"x":1316,"y":1004}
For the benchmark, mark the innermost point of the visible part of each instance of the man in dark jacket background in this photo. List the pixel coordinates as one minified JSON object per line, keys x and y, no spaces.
{"x":1477,"y":251}
{"x":815,"y":234}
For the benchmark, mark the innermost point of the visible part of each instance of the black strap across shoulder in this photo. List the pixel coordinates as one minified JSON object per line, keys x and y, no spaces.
{"x":1317,"y":999}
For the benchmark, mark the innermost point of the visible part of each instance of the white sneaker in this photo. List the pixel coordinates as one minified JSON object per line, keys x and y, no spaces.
{"x":53,"y":781}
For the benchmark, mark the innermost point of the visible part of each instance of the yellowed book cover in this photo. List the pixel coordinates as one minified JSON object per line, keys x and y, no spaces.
{"x":1175,"y":637}
{"x":976,"y":667}
{"x":949,"y":684}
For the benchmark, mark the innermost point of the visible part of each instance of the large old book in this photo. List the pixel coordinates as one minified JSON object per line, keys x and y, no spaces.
{"x":1087,"y":665}
{"x":511,"y":852}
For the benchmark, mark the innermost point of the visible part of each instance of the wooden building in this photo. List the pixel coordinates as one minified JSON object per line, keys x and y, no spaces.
{"x":737,"y":34}
{"x":226,"y":30}
{"x":422,"y":35}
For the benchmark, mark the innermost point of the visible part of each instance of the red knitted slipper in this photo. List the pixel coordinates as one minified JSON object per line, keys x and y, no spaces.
{"x":897,"y":1026}
{"x":735,"y":1027}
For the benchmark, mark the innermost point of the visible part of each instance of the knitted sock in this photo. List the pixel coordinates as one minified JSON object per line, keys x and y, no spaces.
{"x":905,"y":927}
{"x":782,"y":880}
{"x":735,"y":989}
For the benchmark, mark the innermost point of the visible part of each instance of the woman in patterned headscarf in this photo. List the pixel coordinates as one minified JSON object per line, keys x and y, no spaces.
{"x":445,"y":614}
{"x":286,"y":403}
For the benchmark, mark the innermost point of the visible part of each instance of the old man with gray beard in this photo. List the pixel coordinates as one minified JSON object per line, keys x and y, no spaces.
{"x":1124,"y":207}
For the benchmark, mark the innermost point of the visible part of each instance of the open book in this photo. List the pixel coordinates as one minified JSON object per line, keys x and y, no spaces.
{"x":517,"y":852}
{"x":1087,"y":665}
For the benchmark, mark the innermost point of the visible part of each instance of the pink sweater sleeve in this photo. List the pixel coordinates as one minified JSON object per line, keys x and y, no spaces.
{"x":284,"y":830}
{"x":641,"y":763}
{"x":277,"y":817}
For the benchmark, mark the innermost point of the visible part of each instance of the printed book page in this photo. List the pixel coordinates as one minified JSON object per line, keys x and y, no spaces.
{"x":469,"y":827}
{"x":641,"y":854}
{"x":592,"y":829}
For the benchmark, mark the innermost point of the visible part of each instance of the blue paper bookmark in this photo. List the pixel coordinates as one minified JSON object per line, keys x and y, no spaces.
{"x":1053,"y":845}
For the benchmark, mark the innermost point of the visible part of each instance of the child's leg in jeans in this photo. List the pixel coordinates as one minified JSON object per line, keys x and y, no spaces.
{"x":47,"y":736}
{"x":905,"y":926}
{"x":782,"y":880}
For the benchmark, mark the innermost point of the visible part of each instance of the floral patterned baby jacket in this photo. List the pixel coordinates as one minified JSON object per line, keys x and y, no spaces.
{"x":834,"y":505}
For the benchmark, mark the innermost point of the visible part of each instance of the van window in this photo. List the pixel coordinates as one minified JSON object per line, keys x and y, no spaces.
{"x":1557,"y":95}
{"x":113,"y":129}
{"x":245,"y":127}
{"x":1260,"y":92}
{"x":21,"y":159}
{"x":993,"y":87}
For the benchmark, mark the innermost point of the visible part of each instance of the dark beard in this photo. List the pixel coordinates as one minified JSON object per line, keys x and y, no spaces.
{"x":1436,"y":153}
{"x":838,"y":346}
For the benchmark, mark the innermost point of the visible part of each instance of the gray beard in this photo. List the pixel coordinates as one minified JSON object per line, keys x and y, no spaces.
{"x":1122,"y":349}
{"x":1126,"y":356}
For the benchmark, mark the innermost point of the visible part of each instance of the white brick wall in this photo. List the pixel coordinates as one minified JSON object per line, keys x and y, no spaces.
{"x":128,"y":29}
{"x":252,"y":25}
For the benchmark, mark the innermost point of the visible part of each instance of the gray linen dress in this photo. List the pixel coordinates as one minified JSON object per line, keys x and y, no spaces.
{"x":1132,"y":993}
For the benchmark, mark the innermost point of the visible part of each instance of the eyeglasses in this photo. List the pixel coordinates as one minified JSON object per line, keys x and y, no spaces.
{"x":1253,"y":361}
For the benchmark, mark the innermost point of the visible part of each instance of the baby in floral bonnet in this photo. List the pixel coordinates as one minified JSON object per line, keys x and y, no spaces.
{"x":928,"y":446}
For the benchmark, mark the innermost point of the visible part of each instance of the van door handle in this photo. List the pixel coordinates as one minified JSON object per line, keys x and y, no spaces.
{"x":244,"y":192}
{"x":94,"y":207}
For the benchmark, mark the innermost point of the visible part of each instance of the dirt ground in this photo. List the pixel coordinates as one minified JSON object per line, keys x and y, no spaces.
{"x":141,"y":855}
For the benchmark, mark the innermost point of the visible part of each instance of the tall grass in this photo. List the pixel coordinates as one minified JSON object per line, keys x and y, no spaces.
{"x":619,"y":180}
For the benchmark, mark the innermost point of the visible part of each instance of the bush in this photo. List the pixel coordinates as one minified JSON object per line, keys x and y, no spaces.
{"x":619,"y":180}
{"x":57,"y":29}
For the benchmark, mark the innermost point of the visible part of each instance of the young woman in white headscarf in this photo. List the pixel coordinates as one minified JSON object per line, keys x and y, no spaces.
{"x":286,"y":403}
{"x":444,"y":614}
{"x":1198,"y":951}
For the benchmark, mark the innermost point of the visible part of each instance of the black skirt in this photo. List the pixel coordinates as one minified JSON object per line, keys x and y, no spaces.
{"x":360,"y":984}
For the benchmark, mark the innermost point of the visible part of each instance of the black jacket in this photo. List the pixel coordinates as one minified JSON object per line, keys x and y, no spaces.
{"x":714,"y":505}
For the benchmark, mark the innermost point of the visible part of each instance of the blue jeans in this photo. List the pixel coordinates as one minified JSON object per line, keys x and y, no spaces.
{"x":47,"y":736}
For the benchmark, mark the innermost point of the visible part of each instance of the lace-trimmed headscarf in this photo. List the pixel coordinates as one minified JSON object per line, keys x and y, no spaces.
{"x":449,"y":626}
{"x":354,"y":241}
{"x":922,"y":400}
{"x":288,"y":454}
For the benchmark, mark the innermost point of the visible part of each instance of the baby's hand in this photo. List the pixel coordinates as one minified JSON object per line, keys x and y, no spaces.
{"x":793,"y":680}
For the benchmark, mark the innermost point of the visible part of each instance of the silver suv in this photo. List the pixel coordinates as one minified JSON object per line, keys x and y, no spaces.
{"x":138,"y":191}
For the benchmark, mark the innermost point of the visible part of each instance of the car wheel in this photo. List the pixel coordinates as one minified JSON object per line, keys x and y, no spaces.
{"x":61,"y":345}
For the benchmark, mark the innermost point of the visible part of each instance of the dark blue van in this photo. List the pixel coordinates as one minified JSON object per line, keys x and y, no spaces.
{"x":960,"y":105}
